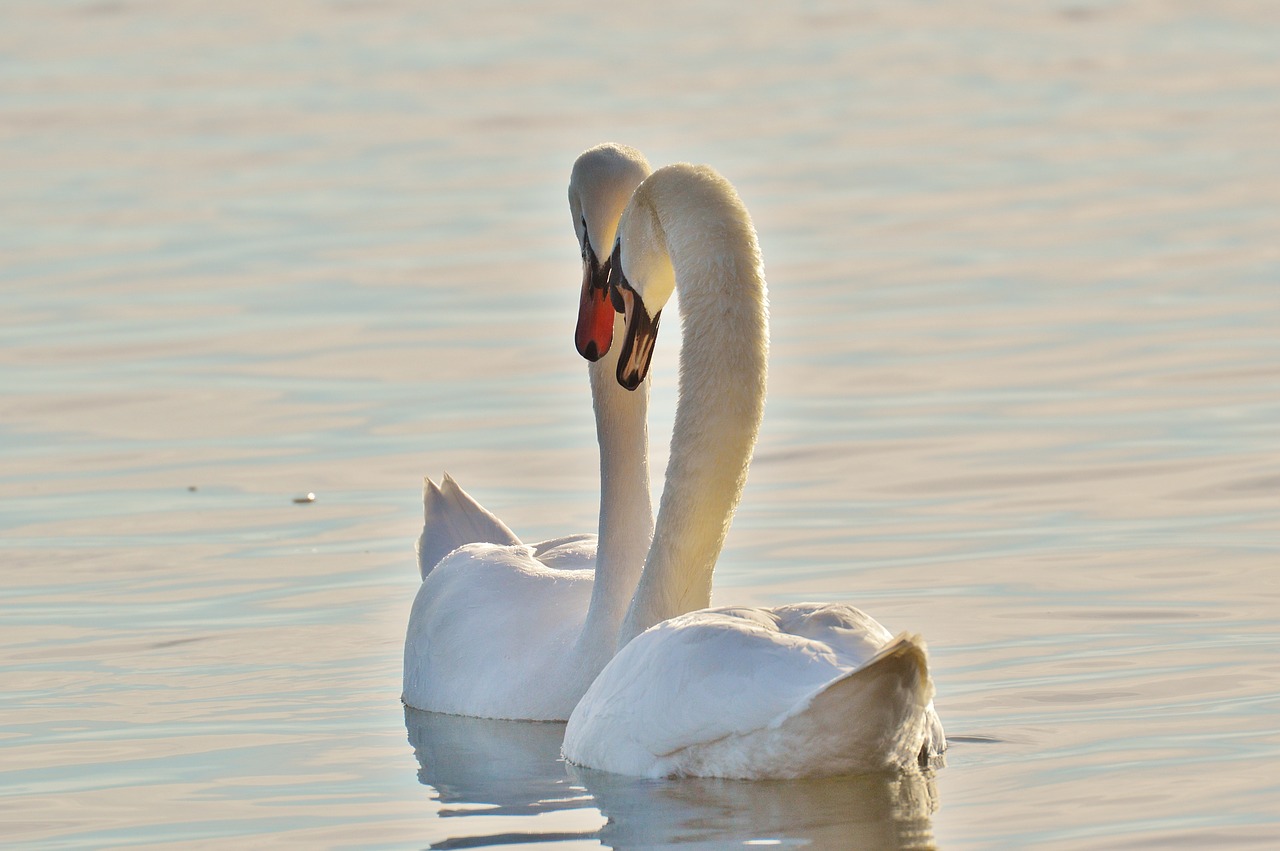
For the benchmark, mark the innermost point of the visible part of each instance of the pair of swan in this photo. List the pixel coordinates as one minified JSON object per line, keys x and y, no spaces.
{"x":505,"y":630}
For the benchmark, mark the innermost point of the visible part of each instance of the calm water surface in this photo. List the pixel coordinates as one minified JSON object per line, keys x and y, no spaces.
{"x":1025,"y":399}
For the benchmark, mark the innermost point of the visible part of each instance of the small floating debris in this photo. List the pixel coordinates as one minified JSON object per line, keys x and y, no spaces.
{"x":303,"y":500}
{"x":192,"y":488}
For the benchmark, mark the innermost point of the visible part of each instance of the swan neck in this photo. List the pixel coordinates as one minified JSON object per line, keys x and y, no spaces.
{"x":723,"y":303}
{"x":626,"y":510}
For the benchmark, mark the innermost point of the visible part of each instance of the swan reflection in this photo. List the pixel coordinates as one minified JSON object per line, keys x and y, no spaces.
{"x":511,"y":767}
{"x":514,"y":768}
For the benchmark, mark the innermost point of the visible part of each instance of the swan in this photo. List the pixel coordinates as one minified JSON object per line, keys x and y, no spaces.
{"x":795,"y":691}
{"x":500,"y":629}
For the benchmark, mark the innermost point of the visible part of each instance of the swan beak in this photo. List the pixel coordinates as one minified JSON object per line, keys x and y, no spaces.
{"x":594,"y":333}
{"x":640,"y":334}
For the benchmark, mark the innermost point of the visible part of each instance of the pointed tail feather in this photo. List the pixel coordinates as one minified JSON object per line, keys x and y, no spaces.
{"x":904,"y":662}
{"x":909,"y":651}
{"x":884,"y":710}
{"x":451,"y":518}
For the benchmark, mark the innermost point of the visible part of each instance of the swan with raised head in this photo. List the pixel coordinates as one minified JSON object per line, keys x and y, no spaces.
{"x":801,"y":690}
{"x":499,"y":629}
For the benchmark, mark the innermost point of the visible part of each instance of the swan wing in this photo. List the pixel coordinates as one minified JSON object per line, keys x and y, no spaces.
{"x":571,"y":552}
{"x":451,"y":518}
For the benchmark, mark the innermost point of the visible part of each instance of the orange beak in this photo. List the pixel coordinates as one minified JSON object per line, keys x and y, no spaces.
{"x":594,"y":333}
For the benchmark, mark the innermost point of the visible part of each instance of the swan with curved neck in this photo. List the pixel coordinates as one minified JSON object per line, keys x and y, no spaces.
{"x":688,"y":229}
{"x":499,"y":629}
{"x":802,"y":690}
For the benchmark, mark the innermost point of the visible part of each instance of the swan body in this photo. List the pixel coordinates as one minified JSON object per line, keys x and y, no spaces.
{"x":501,"y":629}
{"x":812,"y":689}
{"x":794,"y":691}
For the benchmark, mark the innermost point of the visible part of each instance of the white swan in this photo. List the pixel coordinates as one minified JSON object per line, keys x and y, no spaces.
{"x":503,"y":630}
{"x":802,"y":690}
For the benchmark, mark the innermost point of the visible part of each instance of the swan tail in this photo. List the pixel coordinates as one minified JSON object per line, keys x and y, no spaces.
{"x":451,"y":518}
{"x":877,"y":716}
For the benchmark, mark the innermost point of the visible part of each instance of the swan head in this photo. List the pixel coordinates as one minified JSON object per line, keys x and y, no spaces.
{"x":600,"y":185}
{"x":682,"y":207}
{"x":692,"y":214}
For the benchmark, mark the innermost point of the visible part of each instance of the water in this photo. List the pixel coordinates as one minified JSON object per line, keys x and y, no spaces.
{"x":1024,"y":399}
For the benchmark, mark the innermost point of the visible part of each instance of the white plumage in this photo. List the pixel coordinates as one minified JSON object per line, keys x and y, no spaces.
{"x":499,"y":629}
{"x":793,"y":691}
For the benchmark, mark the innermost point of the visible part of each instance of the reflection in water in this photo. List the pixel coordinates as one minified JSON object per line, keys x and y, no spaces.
{"x":514,"y":768}
{"x":869,"y":811}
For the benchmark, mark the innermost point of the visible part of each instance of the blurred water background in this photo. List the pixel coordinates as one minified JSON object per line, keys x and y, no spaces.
{"x":1025,"y":399}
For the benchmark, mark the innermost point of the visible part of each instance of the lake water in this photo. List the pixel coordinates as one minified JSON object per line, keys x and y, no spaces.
{"x":1025,"y":399}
